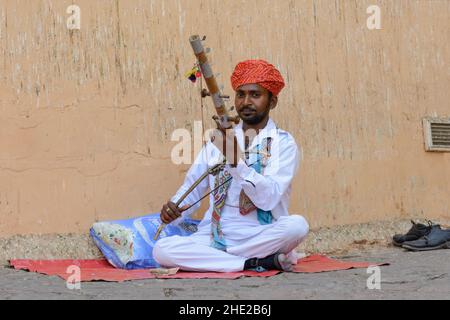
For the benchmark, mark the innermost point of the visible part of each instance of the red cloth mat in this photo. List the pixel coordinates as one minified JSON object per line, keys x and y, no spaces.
{"x":101,"y":270}
{"x":319,"y":263}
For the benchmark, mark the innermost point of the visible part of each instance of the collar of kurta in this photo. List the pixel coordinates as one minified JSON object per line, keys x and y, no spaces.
{"x":270,"y":130}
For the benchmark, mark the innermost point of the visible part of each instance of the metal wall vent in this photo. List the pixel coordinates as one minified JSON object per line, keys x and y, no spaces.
{"x":437,"y":134}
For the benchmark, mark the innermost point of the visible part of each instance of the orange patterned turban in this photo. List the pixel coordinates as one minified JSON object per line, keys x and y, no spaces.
{"x":258,"y":72}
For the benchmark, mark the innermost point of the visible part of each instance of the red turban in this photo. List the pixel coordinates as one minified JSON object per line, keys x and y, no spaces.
{"x":258,"y":72}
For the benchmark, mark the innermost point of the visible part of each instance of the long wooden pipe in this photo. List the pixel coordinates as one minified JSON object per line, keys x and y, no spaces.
{"x":223,"y":119}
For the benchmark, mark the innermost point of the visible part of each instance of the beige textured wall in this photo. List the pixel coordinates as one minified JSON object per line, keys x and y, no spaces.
{"x":86,"y":116}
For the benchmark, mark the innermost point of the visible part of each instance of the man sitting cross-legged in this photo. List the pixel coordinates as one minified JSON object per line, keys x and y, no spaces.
{"x":247,"y":225}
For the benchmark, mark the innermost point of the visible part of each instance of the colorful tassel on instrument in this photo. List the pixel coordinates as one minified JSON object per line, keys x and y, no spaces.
{"x":193,"y":74}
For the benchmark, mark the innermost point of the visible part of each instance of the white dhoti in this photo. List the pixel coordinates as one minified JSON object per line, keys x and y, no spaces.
{"x":194,"y":253}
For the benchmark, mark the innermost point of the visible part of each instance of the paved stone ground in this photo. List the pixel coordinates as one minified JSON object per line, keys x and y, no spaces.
{"x":424,"y":275}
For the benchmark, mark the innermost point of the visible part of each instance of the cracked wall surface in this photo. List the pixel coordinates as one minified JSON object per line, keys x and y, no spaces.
{"x":86,"y":115}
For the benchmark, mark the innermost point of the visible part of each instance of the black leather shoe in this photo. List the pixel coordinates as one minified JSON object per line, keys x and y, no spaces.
{"x":435,"y":239}
{"x":416,"y":232}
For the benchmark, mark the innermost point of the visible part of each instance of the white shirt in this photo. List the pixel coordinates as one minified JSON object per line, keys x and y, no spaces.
{"x":269,"y":191}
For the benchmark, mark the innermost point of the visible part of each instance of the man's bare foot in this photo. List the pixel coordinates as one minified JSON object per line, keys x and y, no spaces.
{"x":284,"y":263}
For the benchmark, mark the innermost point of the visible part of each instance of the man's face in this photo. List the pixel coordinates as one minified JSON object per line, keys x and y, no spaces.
{"x":253,"y":103}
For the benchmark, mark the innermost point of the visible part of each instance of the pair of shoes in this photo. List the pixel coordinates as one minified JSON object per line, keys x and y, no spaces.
{"x":437,"y":238}
{"x":276,"y":261}
{"x":416,"y":232}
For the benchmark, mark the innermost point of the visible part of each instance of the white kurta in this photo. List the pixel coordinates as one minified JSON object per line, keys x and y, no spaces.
{"x":245,"y":236}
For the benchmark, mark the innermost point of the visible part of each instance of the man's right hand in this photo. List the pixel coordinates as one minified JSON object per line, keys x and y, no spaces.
{"x":225,"y":140}
{"x":170,"y":212}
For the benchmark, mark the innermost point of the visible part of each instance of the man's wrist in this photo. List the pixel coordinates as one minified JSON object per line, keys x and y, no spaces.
{"x":241,"y":171}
